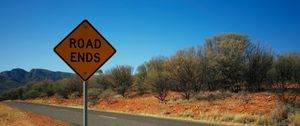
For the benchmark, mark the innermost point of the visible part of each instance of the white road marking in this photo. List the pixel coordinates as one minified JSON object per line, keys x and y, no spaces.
{"x":106,"y":117}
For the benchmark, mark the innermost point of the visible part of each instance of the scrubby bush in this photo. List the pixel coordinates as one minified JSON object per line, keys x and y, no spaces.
{"x":225,"y":60}
{"x":31,"y":94}
{"x":106,"y":94}
{"x":157,"y":78}
{"x":104,"y":82}
{"x":94,"y":93}
{"x":259,"y":61}
{"x":288,"y":69}
{"x":75,"y":94}
{"x":182,"y":69}
{"x":68,"y":87}
{"x":140,"y":79}
{"x":283,"y":67}
{"x":121,"y":78}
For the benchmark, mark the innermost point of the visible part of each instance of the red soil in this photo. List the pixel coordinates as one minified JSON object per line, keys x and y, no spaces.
{"x":242,"y":103}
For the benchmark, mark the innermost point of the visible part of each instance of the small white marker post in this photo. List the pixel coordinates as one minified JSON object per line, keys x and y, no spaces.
{"x":85,"y":104}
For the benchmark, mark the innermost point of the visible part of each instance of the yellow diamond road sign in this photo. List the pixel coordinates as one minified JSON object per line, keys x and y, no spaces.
{"x":85,"y":50}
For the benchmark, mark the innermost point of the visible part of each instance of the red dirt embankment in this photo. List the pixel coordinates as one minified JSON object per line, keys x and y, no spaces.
{"x":202,"y":104}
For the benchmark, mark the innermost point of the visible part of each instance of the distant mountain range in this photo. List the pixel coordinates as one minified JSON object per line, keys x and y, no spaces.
{"x":19,"y":77}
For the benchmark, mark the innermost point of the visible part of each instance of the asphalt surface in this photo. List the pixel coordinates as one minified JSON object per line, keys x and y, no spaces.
{"x":99,"y":118}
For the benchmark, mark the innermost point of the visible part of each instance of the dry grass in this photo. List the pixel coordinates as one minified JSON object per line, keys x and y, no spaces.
{"x":296,"y":120}
{"x":285,"y":114}
{"x":10,"y":116}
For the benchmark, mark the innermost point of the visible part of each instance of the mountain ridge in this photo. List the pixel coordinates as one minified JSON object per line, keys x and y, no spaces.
{"x":18,"y":77}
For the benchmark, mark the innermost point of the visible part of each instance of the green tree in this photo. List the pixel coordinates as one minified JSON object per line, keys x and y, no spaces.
{"x":225,"y":60}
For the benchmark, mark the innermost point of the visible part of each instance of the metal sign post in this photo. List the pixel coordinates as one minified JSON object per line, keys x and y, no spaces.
{"x":85,"y":50}
{"x":85,"y":104}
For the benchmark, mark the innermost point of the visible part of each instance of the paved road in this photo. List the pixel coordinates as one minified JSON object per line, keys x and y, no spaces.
{"x":100,"y":118}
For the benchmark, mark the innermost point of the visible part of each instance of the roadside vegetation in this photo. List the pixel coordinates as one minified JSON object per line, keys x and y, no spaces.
{"x":229,"y":64}
{"x":10,"y":116}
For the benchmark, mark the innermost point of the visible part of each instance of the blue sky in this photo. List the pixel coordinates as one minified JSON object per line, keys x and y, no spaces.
{"x":139,"y":29}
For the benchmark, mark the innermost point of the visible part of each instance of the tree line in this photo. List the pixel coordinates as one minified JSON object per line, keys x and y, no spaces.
{"x":227,"y":62}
